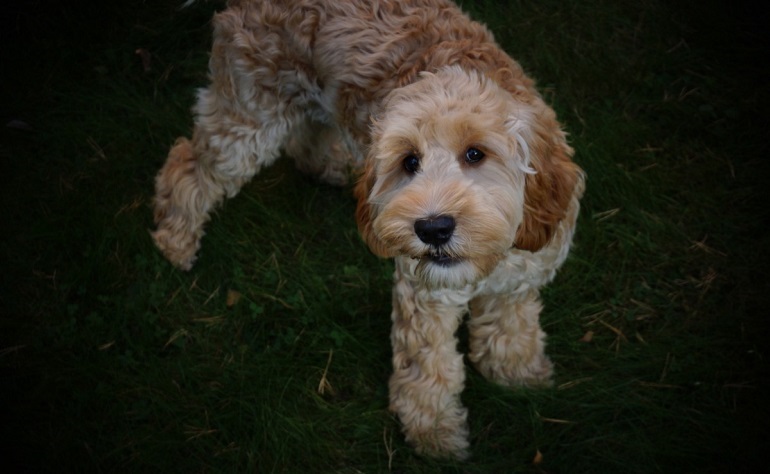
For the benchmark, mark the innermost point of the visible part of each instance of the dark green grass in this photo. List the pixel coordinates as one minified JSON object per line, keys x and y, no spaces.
{"x":112,"y":361}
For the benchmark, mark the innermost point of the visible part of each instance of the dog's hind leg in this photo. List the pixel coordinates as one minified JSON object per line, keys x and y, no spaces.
{"x":227,"y":149}
{"x":242,"y":121}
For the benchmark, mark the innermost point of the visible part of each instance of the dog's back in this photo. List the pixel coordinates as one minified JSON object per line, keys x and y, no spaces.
{"x":346,"y":56}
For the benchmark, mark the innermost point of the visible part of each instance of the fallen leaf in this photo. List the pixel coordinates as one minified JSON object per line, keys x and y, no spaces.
{"x":146,"y":58}
{"x":232,"y":298}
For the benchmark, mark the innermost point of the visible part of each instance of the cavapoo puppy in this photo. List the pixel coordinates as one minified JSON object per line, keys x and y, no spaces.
{"x":464,"y":176}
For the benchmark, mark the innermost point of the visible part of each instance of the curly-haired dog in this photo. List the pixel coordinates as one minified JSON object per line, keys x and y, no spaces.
{"x":466,"y":177}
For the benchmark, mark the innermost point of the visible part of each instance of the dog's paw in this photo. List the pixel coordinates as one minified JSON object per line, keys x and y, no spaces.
{"x":536,"y":373}
{"x":442,"y":442}
{"x":180,"y":252}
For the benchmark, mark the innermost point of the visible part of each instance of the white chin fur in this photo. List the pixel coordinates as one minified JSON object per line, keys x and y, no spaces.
{"x":456,"y":275}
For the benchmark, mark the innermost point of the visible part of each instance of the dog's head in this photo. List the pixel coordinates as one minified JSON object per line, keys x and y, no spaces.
{"x":461,"y":170}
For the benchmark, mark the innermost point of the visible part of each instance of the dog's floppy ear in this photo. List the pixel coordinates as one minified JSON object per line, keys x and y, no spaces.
{"x":549,"y":190}
{"x":364,"y":210}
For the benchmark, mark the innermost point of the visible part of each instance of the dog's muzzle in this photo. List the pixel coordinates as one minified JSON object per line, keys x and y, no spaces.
{"x":436,"y":231}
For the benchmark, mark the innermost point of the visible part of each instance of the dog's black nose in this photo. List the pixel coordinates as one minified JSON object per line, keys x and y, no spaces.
{"x":435,"y":230}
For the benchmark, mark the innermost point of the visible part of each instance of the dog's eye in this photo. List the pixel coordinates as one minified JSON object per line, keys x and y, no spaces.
{"x":411,"y":164}
{"x":473,"y":155}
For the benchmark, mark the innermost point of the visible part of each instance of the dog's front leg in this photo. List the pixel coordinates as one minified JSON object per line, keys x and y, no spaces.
{"x":428,"y":372}
{"x":507,"y":344}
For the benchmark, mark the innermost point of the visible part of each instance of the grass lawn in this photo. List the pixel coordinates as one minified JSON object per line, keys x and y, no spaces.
{"x":272,"y":354}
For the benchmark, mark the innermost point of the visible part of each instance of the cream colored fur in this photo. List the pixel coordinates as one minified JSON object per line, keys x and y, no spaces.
{"x":466,"y":178}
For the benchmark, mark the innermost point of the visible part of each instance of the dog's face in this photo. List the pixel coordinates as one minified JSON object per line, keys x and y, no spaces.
{"x":448,"y":174}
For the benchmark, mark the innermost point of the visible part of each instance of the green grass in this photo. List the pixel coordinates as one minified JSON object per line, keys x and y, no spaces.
{"x":112,"y":361}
